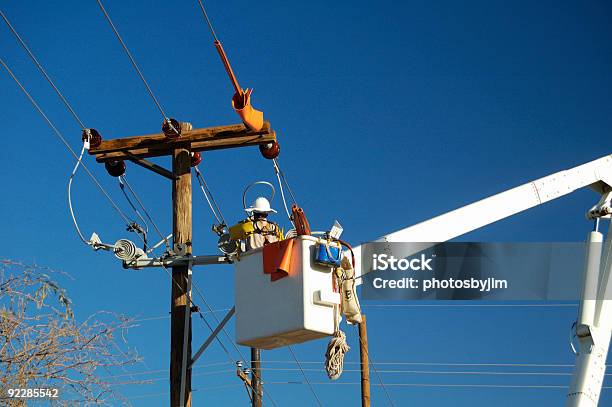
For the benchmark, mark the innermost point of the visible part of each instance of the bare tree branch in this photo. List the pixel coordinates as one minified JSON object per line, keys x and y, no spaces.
{"x":43,"y":346}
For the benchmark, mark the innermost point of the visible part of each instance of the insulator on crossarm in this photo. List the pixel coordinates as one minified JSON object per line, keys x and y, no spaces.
{"x":196,"y":158}
{"x":270,"y":150}
{"x":95,"y":139}
{"x":115,"y":168}
{"x":171,"y":128}
{"x":126,"y":250}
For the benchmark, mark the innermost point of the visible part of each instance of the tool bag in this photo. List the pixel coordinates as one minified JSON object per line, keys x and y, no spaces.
{"x":350,"y":302}
{"x":327,"y":255}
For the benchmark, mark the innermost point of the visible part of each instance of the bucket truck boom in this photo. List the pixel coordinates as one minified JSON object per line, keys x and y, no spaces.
{"x":593,"y":328}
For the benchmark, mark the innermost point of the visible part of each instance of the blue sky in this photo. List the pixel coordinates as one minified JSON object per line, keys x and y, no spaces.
{"x":388,"y":113}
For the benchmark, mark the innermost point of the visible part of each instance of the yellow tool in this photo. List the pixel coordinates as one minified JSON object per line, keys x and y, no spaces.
{"x":241,"y":230}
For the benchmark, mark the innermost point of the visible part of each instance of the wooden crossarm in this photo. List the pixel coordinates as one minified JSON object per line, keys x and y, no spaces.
{"x":154,"y":145}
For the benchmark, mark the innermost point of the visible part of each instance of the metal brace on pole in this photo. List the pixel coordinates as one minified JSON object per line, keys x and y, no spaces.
{"x":212,"y":336}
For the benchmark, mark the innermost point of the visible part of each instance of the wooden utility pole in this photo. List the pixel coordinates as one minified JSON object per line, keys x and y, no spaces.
{"x":181,"y":287}
{"x":256,"y":382}
{"x":365,"y":362}
{"x":137,"y":149}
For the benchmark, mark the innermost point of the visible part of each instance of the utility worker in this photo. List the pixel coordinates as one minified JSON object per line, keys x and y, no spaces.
{"x":264,"y":231}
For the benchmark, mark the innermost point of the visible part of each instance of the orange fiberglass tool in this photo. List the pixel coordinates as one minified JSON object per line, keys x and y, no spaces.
{"x":241,"y":101}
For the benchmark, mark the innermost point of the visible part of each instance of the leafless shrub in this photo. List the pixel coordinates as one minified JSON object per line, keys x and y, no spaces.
{"x":42,"y":345}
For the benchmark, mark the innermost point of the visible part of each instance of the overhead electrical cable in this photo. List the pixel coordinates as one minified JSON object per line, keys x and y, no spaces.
{"x":42,"y":70}
{"x":190,"y":301}
{"x":387,"y":371}
{"x":284,"y":178}
{"x":160,"y":317}
{"x":123,"y":181}
{"x":365,"y":349}
{"x":199,"y":293}
{"x":543,"y":365}
{"x":122,"y":184}
{"x":449,"y":385}
{"x":61,"y":137}
{"x":433,"y":372}
{"x":212,"y":203}
{"x":86,"y":130}
{"x":135,"y":65}
{"x":212,"y":30}
{"x":280,"y":186}
{"x":312,"y":390}
{"x":553,"y":305}
{"x":74,"y":171}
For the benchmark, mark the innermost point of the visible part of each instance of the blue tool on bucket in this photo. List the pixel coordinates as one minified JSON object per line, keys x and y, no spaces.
{"x":327,"y":255}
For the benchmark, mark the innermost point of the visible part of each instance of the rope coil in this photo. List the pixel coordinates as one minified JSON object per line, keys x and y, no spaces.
{"x":334,"y":357}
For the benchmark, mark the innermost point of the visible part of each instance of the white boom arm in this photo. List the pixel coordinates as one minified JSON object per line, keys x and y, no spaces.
{"x":593,"y":330}
{"x":596,"y":174}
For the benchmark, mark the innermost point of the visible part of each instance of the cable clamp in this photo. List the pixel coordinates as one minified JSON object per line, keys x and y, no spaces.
{"x":87,"y":138}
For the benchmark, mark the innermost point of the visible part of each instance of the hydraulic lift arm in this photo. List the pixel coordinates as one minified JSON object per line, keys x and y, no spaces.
{"x":596,"y":174}
{"x":594,"y":324}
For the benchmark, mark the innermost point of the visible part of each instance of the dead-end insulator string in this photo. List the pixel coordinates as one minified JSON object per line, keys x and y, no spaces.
{"x":170,"y":127}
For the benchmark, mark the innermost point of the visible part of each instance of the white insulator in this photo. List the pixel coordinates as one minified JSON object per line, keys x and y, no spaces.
{"x":126,"y":250}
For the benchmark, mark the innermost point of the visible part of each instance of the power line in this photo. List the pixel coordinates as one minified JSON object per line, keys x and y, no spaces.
{"x":146,"y":212}
{"x":199,"y":293}
{"x":64,"y":141}
{"x":280,"y":173}
{"x":212,"y":203}
{"x":190,"y":300}
{"x":78,"y":120}
{"x":155,"y":371}
{"x":554,"y":305}
{"x":132,"y":60}
{"x":314,"y":393}
{"x":435,"y":372}
{"x":371,"y":363}
{"x":425,"y":385}
{"x":69,"y":193}
{"x":135,"y":227}
{"x":442,"y":363}
{"x":212,"y":30}
{"x":160,"y":317}
{"x":450,"y":385}
{"x":42,"y":70}
{"x":389,"y":371}
{"x":207,"y":388}
{"x":158,"y":379}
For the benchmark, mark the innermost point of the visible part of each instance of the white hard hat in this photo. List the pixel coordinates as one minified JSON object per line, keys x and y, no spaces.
{"x":261,"y":205}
